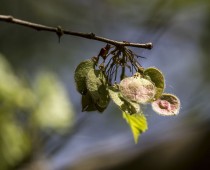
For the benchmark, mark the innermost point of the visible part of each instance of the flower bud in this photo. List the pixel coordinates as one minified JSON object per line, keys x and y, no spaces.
{"x":137,"y":89}
{"x":167,"y":105}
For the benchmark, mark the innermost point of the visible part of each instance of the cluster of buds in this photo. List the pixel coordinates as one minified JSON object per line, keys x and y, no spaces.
{"x":148,"y":88}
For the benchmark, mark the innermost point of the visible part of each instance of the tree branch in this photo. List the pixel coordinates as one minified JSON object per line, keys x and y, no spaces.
{"x":60,"y":31}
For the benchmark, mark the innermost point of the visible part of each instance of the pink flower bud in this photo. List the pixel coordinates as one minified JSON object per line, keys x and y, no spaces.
{"x":167,"y":105}
{"x":137,"y":89}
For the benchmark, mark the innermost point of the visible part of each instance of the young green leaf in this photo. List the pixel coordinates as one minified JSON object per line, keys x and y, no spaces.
{"x":123,"y":104}
{"x":167,"y":105}
{"x":137,"y":123}
{"x":80,"y":75}
{"x":156,"y":76}
{"x":97,"y":87}
{"x":137,"y":89}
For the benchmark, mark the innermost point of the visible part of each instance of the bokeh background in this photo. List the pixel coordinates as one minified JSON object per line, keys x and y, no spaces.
{"x":41,"y":123}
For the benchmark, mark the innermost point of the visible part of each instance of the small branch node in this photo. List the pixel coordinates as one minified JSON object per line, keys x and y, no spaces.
{"x":92,"y":35}
{"x":10,"y":18}
{"x":59,"y":32}
{"x":126,"y":43}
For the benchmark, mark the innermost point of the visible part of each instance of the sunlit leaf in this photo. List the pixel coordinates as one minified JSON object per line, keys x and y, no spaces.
{"x":97,"y":87}
{"x":80,"y":75}
{"x":167,"y":105}
{"x":137,"y":89}
{"x":156,"y":76}
{"x":123,"y":104}
{"x":137,"y":123}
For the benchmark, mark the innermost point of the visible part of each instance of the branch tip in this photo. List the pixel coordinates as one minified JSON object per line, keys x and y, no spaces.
{"x":149,"y":45}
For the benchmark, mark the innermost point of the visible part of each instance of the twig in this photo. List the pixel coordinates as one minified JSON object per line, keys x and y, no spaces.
{"x":60,"y":31}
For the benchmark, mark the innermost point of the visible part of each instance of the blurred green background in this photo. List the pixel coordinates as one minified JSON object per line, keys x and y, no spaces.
{"x":41,"y":123}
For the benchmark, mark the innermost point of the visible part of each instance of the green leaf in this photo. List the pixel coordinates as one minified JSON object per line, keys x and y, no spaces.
{"x":80,"y":75}
{"x":156,"y":76}
{"x":167,"y":105}
{"x":88,"y":103}
{"x":123,"y":104}
{"x":137,"y":123}
{"x":99,"y":108}
{"x":97,"y":87}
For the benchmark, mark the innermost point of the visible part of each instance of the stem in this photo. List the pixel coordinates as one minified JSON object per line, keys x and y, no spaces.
{"x":59,"y":31}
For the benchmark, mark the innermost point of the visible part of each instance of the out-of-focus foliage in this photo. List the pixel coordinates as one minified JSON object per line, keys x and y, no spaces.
{"x":53,"y":109}
{"x":26,"y":112}
{"x":15,"y":144}
{"x":12,"y":91}
{"x":179,"y":30}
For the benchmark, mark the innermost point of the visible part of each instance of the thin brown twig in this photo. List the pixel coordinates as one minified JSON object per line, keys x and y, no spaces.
{"x":60,"y":31}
